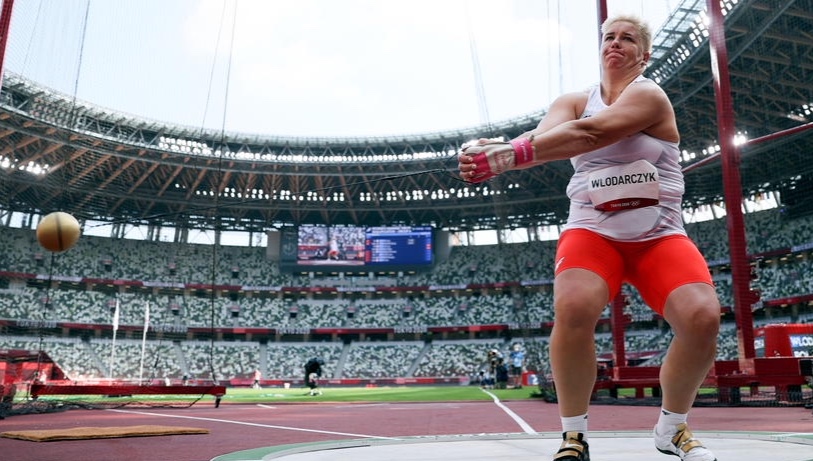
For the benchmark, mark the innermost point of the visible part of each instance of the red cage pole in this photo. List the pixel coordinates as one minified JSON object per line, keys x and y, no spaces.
{"x":779,"y":134}
{"x":5,"y":21}
{"x":744,"y":297}
{"x":601,"y":11}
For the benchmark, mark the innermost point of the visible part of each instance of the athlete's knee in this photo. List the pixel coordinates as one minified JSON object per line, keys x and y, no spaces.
{"x":695,"y":316}
{"x":707,"y":321}
{"x":577,"y":311}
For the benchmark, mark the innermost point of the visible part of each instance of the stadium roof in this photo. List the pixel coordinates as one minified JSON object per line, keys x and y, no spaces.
{"x":57,"y":153}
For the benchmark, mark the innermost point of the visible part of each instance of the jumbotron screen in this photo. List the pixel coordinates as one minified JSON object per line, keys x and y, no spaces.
{"x":364,"y":246}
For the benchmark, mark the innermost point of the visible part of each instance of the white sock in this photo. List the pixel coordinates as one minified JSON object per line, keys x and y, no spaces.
{"x":575,"y":424}
{"x":668,"y":421}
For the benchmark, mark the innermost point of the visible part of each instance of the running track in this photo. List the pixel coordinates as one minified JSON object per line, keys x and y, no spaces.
{"x":235,"y":427}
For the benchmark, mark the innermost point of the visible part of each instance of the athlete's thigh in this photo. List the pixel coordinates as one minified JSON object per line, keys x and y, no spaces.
{"x":589,"y":270}
{"x":665,"y":265}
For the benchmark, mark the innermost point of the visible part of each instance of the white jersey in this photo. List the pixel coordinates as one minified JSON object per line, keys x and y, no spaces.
{"x":640,"y":175}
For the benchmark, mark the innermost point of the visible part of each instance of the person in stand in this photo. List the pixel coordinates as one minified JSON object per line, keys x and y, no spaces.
{"x":517,"y":359}
{"x":624,"y":226}
{"x":493,"y":356}
{"x":313,"y":371}
{"x":486,"y":379}
{"x":501,"y":374}
{"x":257,"y":377}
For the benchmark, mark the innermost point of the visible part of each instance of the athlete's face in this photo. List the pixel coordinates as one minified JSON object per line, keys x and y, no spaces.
{"x":621,"y":47}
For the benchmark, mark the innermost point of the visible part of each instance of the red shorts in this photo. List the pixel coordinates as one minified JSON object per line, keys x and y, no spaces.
{"x":655,"y":267}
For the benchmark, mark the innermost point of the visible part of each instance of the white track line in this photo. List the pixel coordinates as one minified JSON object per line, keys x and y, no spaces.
{"x":521,"y":422}
{"x":243,"y":423}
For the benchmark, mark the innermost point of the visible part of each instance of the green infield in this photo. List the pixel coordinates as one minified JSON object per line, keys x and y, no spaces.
{"x":376,"y":394}
{"x":277,"y":395}
{"x":384,"y":393}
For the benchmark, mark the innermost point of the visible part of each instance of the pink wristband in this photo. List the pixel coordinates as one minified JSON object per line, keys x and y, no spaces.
{"x":523,"y":151}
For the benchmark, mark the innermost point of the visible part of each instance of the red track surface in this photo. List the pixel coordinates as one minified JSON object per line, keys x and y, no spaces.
{"x":239,"y":427}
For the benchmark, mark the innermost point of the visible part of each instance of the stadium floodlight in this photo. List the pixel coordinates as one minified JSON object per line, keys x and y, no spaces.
{"x":36,"y":169}
{"x":740,"y":139}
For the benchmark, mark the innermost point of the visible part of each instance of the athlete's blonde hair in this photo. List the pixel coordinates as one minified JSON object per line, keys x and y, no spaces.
{"x":644,"y":32}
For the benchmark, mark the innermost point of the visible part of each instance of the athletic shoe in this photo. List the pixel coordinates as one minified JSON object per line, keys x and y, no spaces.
{"x":682,"y":444}
{"x":573,"y":448}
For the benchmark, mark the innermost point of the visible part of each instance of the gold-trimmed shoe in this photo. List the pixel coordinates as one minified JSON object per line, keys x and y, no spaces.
{"x":573,"y":448}
{"x":683,"y":444}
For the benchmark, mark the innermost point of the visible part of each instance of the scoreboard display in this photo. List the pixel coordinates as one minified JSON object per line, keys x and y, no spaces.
{"x":358,"y":247}
{"x":400,"y":245}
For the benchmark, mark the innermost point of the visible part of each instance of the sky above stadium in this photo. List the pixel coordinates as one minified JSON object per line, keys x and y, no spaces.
{"x":315,"y":67}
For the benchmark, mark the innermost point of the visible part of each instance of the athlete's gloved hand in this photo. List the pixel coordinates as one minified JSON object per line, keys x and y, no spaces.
{"x":486,"y":159}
